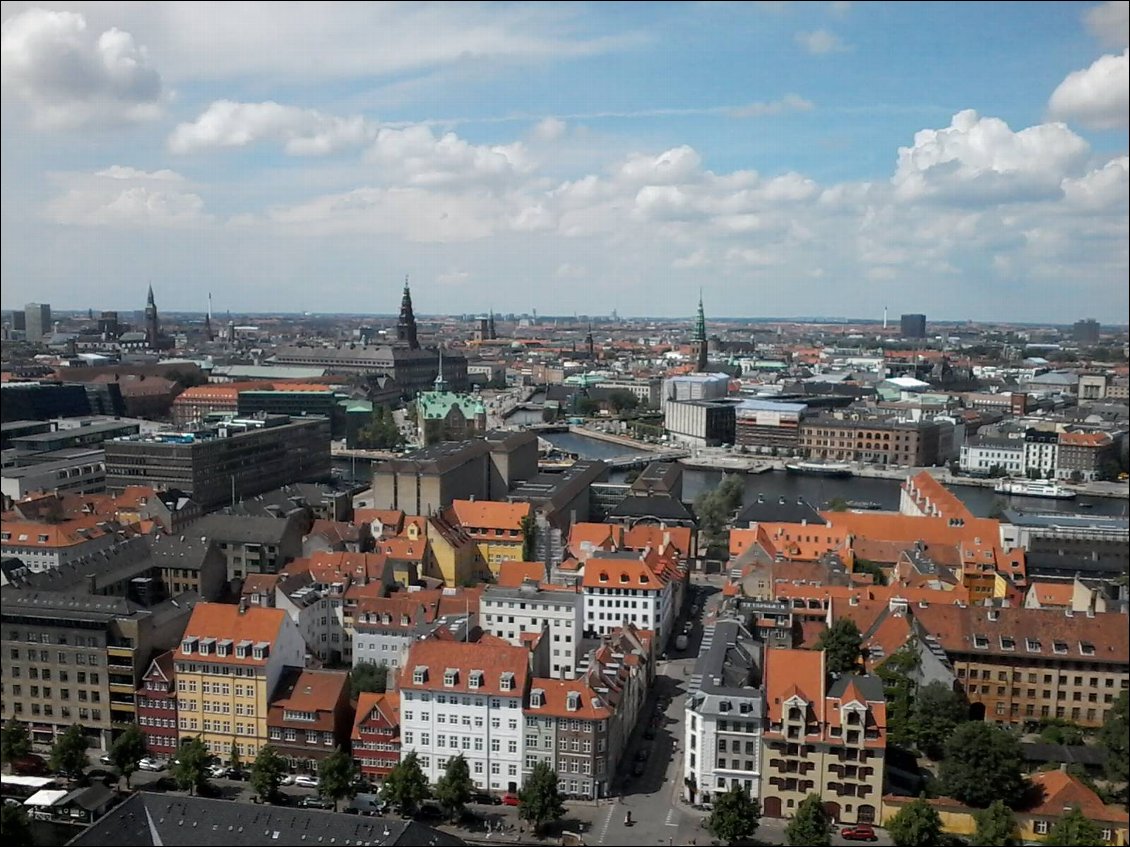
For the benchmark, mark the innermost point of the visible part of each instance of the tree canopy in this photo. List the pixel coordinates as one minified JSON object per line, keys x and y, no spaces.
{"x":191,"y":768}
{"x":716,"y":507}
{"x":128,"y":751}
{"x":68,"y":753}
{"x":381,"y":433}
{"x":1114,"y":738}
{"x":982,"y":763}
{"x":15,"y":826}
{"x":15,"y":743}
{"x":842,"y":644}
{"x":336,"y":773}
{"x":1074,"y":830}
{"x":897,"y":675}
{"x":996,"y":827}
{"x":367,"y":676}
{"x":736,"y":815}
{"x":917,"y":824}
{"x":538,"y":801}
{"x":267,"y":772}
{"x":405,"y":786}
{"x":454,"y":788}
{"x":810,"y":825}
{"x":937,"y":712}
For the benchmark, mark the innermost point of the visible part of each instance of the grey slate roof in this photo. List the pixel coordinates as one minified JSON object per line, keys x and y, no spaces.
{"x":245,"y":529}
{"x":147,"y":820}
{"x":779,"y":510}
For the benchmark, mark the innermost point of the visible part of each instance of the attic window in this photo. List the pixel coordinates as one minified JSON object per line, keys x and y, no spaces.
{"x":224,"y":648}
{"x":241,"y":649}
{"x":1033,"y":645}
{"x":475,"y":680}
{"x":624,"y":577}
{"x":404,"y":620}
{"x":573,"y":701}
{"x":537,"y":697}
{"x":981,"y":642}
{"x":1059,"y":646}
{"x":1087,"y":648}
{"x":450,"y":677}
{"x":260,"y":650}
{"x":1008,"y":642}
{"x":506,"y":681}
{"x":643,"y":579}
{"x":419,"y":674}
{"x":206,"y":645}
{"x":188,"y":645}
{"x":386,"y":618}
{"x":603,"y":576}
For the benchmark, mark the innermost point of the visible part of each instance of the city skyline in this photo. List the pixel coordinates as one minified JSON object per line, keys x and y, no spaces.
{"x":968,"y":161}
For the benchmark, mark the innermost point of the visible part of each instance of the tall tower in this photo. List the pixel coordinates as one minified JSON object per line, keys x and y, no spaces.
{"x":152,"y":325}
{"x":490,"y":327}
{"x":208,"y":319}
{"x":589,"y":344}
{"x":406,"y":325}
{"x":440,"y":383}
{"x":700,"y":337}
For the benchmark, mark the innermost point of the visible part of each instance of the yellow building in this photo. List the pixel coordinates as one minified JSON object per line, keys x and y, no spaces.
{"x":227,"y":666}
{"x":496,"y":528}
{"x":453,"y":554}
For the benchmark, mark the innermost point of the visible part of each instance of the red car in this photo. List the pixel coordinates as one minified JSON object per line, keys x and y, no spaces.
{"x":509,"y":799}
{"x":859,"y":832}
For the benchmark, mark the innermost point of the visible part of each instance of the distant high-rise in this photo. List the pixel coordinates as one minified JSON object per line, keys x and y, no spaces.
{"x":37,"y":318}
{"x":913,"y":326}
{"x":406,"y":325}
{"x":152,"y":325}
{"x":19,"y":320}
{"x":700,"y":343}
{"x":1087,"y":331}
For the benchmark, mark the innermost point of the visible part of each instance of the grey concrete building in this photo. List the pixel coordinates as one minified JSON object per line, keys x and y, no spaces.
{"x":252,"y":544}
{"x":510,"y":613}
{"x":37,"y":325}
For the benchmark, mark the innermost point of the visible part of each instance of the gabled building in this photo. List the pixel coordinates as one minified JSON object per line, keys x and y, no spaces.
{"x":497,"y":528}
{"x":157,"y":707}
{"x":643,"y":589}
{"x":567,"y":725}
{"x":310,"y":716}
{"x":305,"y":604}
{"x":376,"y":733}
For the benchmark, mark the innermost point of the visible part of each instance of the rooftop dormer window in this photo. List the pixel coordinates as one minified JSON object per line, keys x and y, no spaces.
{"x":241,"y":649}
{"x":1059,"y":647}
{"x":573,"y":701}
{"x":506,"y":682}
{"x":188,"y":645}
{"x":537,"y":698}
{"x":1008,"y":642}
{"x":1087,"y":648}
{"x":404,"y":620}
{"x":475,"y":680}
{"x":450,"y":677}
{"x":981,"y":642}
{"x":419,"y":675}
{"x":1032,"y":645}
{"x":603,"y":576}
{"x":625,"y":578}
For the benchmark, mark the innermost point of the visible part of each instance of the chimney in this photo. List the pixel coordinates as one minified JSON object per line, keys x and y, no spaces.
{"x":242,"y":605}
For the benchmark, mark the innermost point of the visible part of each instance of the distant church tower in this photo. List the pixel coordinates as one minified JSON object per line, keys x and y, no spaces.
{"x":152,"y":325}
{"x":440,"y":383}
{"x":490,"y":327}
{"x":589,"y":344}
{"x":700,"y":338}
{"x":406,"y":325}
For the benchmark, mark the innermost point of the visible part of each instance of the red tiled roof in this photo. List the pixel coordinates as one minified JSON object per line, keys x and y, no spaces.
{"x":487,"y":514}
{"x":1058,"y":791}
{"x":791,"y":672}
{"x":380,"y":708}
{"x":492,"y":656}
{"x":513,"y":574}
{"x":555,"y":700}
{"x":221,"y":621}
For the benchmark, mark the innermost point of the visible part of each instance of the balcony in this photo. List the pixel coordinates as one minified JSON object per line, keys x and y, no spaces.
{"x":120,"y":651}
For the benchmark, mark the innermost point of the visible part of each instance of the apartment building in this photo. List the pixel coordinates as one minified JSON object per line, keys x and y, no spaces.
{"x":1019,"y":665}
{"x":228,"y":665}
{"x":626,"y":587}
{"x":252,"y":545}
{"x":765,"y":426}
{"x":497,"y":528}
{"x":872,"y":440}
{"x":157,"y":707}
{"x":43,"y":545}
{"x":724,"y":710}
{"x":1082,"y":455}
{"x":825,"y":738}
{"x":466,"y":699}
{"x":304,"y":603}
{"x":376,"y":733}
{"x":566,"y":727}
{"x":385,"y":627}
{"x":78,"y":658}
{"x":310,"y":716}
{"x":981,"y":454}
{"x":1041,"y":452}
{"x":513,"y":613}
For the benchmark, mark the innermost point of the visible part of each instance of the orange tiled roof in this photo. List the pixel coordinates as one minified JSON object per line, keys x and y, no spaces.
{"x":513,"y":574}
{"x":1085,"y":439}
{"x":1059,"y":790}
{"x":600,"y":536}
{"x":312,"y":691}
{"x":493,"y":657}
{"x":1053,"y":593}
{"x":381,"y":707}
{"x":793,"y":672}
{"x":487,"y":514}
{"x":649,"y":535}
{"x":555,"y":700}
{"x":223,"y":621}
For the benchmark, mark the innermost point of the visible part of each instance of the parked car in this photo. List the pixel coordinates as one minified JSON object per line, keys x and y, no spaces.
{"x":430,"y":811}
{"x":859,"y":832}
{"x":510,"y":799}
{"x":287,"y":779}
{"x":217,"y":771}
{"x":315,"y":803}
{"x":30,"y":765}
{"x":306,"y":781}
{"x":105,"y":759}
{"x":165,"y":783}
{"x":485,"y":798}
{"x":148,"y":763}
{"x":236,"y":774}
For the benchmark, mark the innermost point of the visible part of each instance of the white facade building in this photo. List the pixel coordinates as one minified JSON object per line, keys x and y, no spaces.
{"x":465,"y":699}
{"x":630,"y":587}
{"x":982,"y":454}
{"x":510,"y":612}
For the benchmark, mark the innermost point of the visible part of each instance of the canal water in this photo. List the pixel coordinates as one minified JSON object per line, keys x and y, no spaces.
{"x":819,"y":491}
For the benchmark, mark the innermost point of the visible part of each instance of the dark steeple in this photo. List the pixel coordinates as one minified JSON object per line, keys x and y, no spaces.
{"x":490,"y":327}
{"x":589,"y":344}
{"x":700,"y":337}
{"x":406,"y":326}
{"x":152,"y":325}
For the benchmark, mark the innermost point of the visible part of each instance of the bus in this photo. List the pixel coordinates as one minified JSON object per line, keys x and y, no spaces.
{"x":22,"y":787}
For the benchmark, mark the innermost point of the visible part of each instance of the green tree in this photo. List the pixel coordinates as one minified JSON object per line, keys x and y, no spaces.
{"x":529,"y":537}
{"x":622,"y":400}
{"x":453,"y":790}
{"x":982,"y":763}
{"x":267,"y":773}
{"x":735,"y":817}
{"x":538,"y":801}
{"x":15,"y":743}
{"x":367,"y":676}
{"x":837,"y":504}
{"x":15,"y":827}
{"x":191,"y":768}
{"x":810,"y":825}
{"x":1074,"y":830}
{"x":938,"y":710}
{"x":68,"y":754}
{"x":842,"y":644}
{"x":917,"y":824}
{"x":731,"y":492}
{"x":897,"y":674}
{"x":336,"y":773}
{"x":234,"y":761}
{"x":405,"y":786}
{"x":128,"y":750}
{"x":873,"y":568}
{"x":996,"y":827}
{"x":381,"y":433}
{"x":1113,"y":738}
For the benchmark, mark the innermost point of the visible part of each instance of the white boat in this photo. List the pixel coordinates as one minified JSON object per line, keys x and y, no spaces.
{"x":832,"y":469}
{"x":1031,"y":488}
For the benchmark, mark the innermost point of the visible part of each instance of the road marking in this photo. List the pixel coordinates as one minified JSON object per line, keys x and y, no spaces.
{"x":607,"y":823}
{"x":670,"y":818}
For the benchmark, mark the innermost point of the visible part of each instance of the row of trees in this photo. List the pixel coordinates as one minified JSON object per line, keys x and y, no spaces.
{"x":715,"y":509}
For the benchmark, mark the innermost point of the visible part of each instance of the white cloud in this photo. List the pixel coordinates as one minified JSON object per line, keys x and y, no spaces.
{"x":121,"y":196}
{"x":981,"y":161}
{"x":550,"y":129}
{"x":670,"y":167}
{"x":788,"y":103}
{"x":1110,"y":23}
{"x":821,"y":41}
{"x":125,"y":172}
{"x":1104,"y":189}
{"x":69,"y":77}
{"x":303,"y":132}
{"x":416,"y":156}
{"x":1098,"y":97}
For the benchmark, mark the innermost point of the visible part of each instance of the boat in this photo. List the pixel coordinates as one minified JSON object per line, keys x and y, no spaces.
{"x":1028,"y":488}
{"x":832,"y":469}
{"x":867,"y":505}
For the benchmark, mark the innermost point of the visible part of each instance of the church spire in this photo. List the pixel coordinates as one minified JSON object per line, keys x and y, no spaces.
{"x":440,"y":383}
{"x":406,"y":325}
{"x":700,"y":342}
{"x":490,"y":327}
{"x":152,"y":323}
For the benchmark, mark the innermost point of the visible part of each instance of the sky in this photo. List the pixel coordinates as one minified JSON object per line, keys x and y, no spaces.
{"x":965,"y":160}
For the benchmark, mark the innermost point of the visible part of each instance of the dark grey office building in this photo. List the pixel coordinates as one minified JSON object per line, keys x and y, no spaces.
{"x":913,"y":326}
{"x":1087,"y":332}
{"x":238,"y":459}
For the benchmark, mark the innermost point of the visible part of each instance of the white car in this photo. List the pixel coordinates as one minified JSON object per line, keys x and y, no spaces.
{"x":288,"y":779}
{"x":150,"y":764}
{"x":217,"y":771}
{"x":305,"y":781}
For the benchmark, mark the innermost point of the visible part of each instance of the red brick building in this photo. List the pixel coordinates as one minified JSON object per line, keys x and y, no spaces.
{"x":310,"y":716}
{"x":157,"y":707}
{"x":376,"y":733}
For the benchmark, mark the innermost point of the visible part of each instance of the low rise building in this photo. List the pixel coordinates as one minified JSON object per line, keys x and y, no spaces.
{"x":499,"y":529}
{"x":310,"y":716}
{"x":768,"y":427}
{"x":879,"y":441}
{"x":376,"y":733}
{"x":628,"y":587}
{"x":1084,"y":456}
{"x":983,"y":454}
{"x":515,"y":613}
{"x":157,"y":707}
